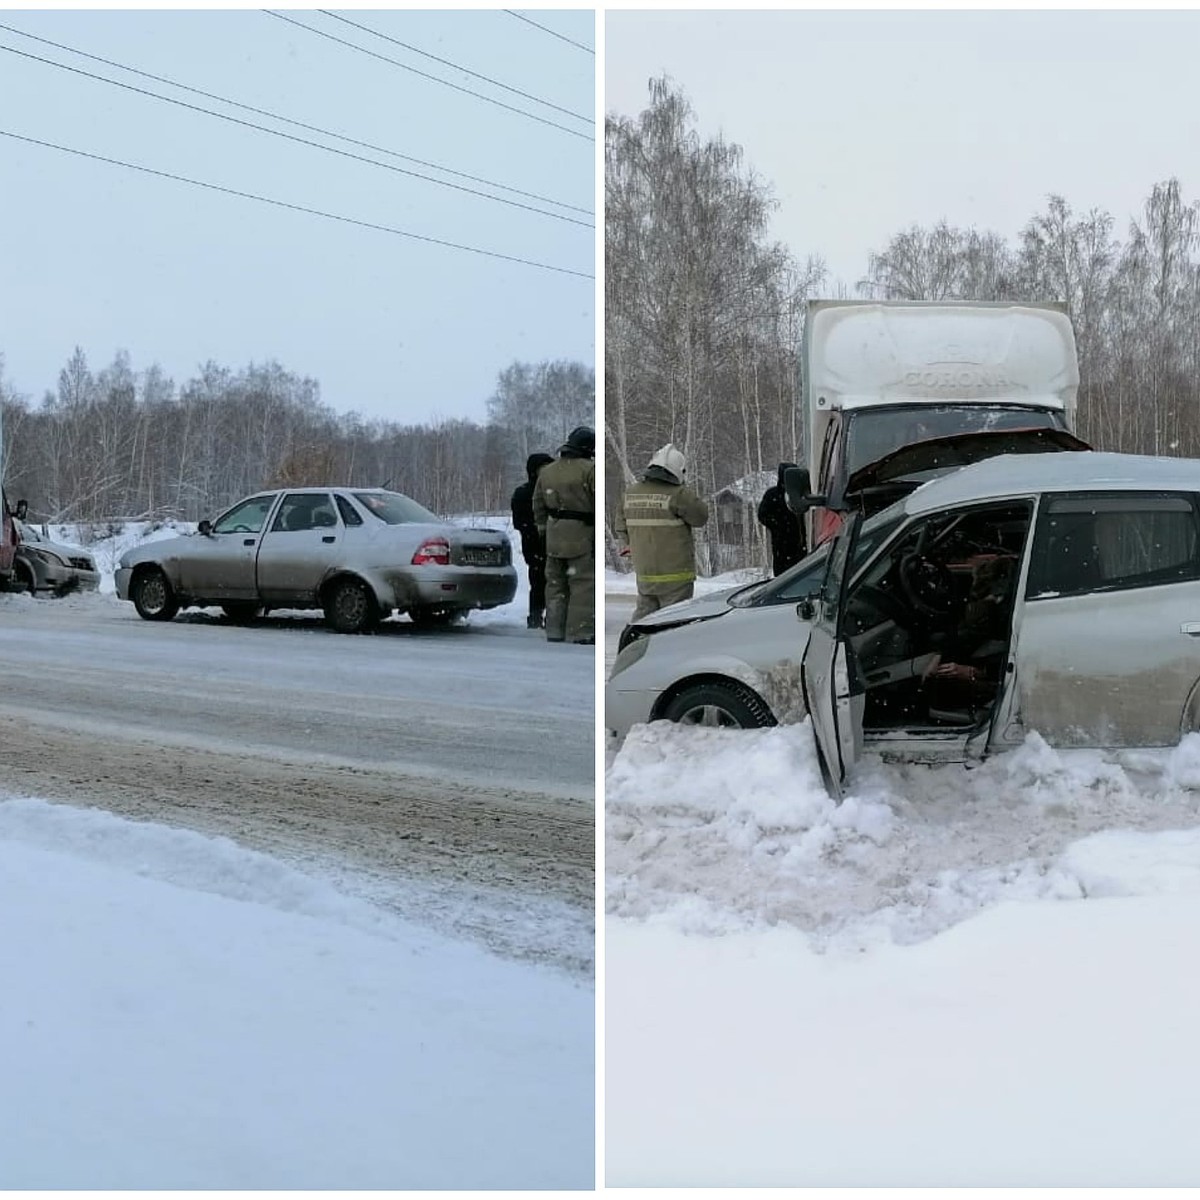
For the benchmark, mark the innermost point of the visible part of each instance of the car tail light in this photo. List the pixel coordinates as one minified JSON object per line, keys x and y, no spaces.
{"x":432,"y":550}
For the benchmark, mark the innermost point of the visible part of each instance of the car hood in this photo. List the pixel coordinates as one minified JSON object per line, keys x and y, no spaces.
{"x":699,"y":608}
{"x":939,"y":455}
{"x":59,"y":548}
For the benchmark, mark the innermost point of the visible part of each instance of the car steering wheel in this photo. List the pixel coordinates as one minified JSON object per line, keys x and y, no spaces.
{"x":927,"y":585}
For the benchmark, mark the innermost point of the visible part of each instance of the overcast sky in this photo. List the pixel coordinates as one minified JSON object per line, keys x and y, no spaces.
{"x":869,"y":122}
{"x":106,"y":258}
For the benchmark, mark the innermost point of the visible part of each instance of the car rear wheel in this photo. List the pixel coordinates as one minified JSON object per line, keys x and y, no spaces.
{"x":241,"y":610}
{"x":350,"y":607}
{"x":719,"y":705}
{"x":153,"y":596}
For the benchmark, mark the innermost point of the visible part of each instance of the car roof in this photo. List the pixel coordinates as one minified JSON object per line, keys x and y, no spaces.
{"x":1010,"y":475}
{"x":324,"y":489}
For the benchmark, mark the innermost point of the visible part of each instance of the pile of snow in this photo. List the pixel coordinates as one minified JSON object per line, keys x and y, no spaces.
{"x":181,"y":1013}
{"x":732,"y":830}
{"x":955,"y":978}
{"x":1037,"y":1045}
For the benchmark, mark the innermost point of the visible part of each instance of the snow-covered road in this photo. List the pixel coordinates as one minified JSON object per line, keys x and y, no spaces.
{"x":449,"y":774}
{"x":483,"y":703}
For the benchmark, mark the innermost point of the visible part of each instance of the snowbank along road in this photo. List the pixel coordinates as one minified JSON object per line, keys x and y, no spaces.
{"x":448,"y":774}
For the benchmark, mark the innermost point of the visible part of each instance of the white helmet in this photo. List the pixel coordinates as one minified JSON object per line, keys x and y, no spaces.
{"x":671,"y":460}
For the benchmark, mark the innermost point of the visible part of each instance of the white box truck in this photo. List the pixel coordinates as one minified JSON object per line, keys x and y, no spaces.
{"x":899,"y":391}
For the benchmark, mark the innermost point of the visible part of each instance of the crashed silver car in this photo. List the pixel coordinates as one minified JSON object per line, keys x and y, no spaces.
{"x":358,"y":554}
{"x":43,"y":565}
{"x":744,"y":671}
{"x":1058,"y":593}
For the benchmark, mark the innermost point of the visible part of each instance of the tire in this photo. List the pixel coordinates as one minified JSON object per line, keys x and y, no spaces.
{"x":719,"y":705}
{"x":22,"y":579}
{"x":437,"y":618}
{"x":153,"y":596}
{"x":241,"y":611}
{"x":350,"y":607}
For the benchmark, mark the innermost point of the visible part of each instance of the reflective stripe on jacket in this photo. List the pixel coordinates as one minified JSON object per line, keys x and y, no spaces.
{"x":656,"y":520}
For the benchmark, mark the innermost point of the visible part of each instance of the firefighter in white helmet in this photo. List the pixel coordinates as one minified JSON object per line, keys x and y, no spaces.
{"x":655,"y":523}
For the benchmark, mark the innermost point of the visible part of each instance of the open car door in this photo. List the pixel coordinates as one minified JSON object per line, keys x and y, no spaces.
{"x":825,"y":669}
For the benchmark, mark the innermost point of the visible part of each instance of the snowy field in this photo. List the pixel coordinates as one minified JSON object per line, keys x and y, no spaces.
{"x":180,"y":1013}
{"x":956,"y":978}
{"x":296,"y":910}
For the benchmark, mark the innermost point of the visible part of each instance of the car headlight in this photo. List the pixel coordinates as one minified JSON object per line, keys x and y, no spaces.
{"x":627,"y":657}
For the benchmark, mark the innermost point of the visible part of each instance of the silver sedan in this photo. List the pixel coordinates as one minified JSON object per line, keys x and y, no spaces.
{"x":358,"y":554}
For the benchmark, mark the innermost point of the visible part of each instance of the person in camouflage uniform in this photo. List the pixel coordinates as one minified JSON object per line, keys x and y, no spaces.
{"x":655,"y":523}
{"x":564,"y":507}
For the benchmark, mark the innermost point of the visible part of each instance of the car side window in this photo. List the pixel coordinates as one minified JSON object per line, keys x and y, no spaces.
{"x":349,"y":515}
{"x":247,"y":517}
{"x":304,"y":510}
{"x":1113,"y":541}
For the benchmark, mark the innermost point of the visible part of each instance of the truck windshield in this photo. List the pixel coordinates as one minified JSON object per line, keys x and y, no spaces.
{"x":873,"y":433}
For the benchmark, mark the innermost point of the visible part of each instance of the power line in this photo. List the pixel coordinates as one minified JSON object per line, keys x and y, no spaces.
{"x":262,"y":112}
{"x":456,"y":66}
{"x":315,"y":212}
{"x":426,"y":75}
{"x":562,"y":37}
{"x":291,"y":137}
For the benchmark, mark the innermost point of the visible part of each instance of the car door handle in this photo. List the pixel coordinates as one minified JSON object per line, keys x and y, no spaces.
{"x":1192,"y":628}
{"x":329,"y":538}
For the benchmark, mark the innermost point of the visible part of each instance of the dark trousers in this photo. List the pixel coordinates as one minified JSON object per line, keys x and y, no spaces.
{"x":537,"y":587}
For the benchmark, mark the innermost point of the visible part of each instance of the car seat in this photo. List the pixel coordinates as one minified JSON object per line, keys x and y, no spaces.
{"x":300,"y":517}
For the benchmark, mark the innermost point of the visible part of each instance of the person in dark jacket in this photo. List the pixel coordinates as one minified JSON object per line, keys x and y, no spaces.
{"x":783,"y":526}
{"x":533,"y":548}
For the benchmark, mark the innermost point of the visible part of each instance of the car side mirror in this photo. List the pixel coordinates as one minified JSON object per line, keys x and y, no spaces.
{"x":797,"y":487}
{"x":806,"y":610}
{"x":22,"y":509}
{"x":205,"y":528}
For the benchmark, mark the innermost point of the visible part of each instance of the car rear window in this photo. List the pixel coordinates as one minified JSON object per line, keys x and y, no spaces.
{"x":1087,"y":543}
{"x":395,"y":509}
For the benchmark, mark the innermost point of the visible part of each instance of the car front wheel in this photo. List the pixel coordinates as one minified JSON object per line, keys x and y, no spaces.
{"x":350,"y":607}
{"x":720,"y":705}
{"x":22,"y":579}
{"x":153,"y":596}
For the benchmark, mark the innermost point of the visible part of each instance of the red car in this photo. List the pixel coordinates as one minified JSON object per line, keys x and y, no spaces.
{"x":8,"y":540}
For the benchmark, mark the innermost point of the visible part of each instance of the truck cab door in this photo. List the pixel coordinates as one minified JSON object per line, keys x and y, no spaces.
{"x":825,"y":670}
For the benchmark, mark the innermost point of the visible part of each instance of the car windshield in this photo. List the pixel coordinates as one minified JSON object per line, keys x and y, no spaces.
{"x":395,"y":509}
{"x":804,"y":579}
{"x":873,"y":433}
